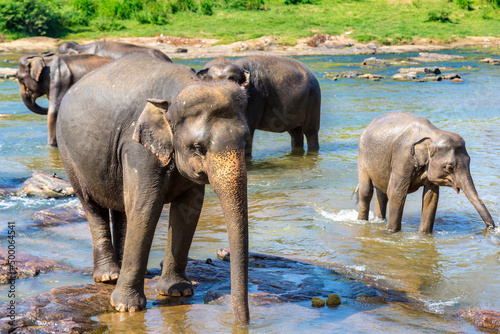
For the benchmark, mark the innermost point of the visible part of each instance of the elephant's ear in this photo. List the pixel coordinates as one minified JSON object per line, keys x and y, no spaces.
{"x":36,"y":67}
{"x":154,"y":132}
{"x":203,"y":74}
{"x":420,"y":150}
{"x":247,"y":79}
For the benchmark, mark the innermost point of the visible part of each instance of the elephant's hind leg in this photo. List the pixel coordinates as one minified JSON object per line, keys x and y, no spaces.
{"x":365,"y":193}
{"x":297,"y":139}
{"x":184,"y":214}
{"x":119,"y":228}
{"x":380,"y":204}
{"x":105,"y":262}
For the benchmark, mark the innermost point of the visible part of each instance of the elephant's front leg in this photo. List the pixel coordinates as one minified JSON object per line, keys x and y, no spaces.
{"x":51,"y":123}
{"x":430,"y":199}
{"x":184,"y":214}
{"x":143,"y":213}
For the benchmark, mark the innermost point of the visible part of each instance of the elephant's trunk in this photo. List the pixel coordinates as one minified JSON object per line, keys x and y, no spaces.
{"x":465,"y":183}
{"x":228,"y":178}
{"x":30,"y":102}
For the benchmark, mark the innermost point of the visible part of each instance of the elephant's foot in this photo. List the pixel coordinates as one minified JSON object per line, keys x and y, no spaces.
{"x":174,"y":286}
{"x":128,"y":300}
{"x":106,"y":273}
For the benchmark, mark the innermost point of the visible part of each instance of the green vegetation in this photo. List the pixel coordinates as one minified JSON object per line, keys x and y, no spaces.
{"x":384,"y":21}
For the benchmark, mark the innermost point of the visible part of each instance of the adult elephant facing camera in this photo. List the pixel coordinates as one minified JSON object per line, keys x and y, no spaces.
{"x":283,"y":95}
{"x":399,"y":153}
{"x":139,"y":133}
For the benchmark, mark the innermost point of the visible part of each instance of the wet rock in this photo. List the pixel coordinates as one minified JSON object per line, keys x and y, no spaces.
{"x":457,"y":80}
{"x":24,"y":266}
{"x":369,"y":76}
{"x":272,"y":280}
{"x":223,"y":254}
{"x":428,"y":79}
{"x":333,"y":300}
{"x":425,"y":70}
{"x":371,"y":299}
{"x":431,"y":57}
{"x":47,"y":186}
{"x":482,"y":318}
{"x":60,"y":215}
{"x":490,"y":61}
{"x":451,"y":76}
{"x":317,"y":302}
{"x":377,"y":61}
{"x":405,"y":76}
{"x":8,"y":72}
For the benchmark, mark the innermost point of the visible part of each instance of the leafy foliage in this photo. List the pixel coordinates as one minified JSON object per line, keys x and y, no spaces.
{"x":30,"y":17}
{"x":465,"y":4}
{"x":438,"y":16}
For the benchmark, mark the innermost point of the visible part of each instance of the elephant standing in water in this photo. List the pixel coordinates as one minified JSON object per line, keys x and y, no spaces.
{"x":52,"y":75}
{"x":113,"y":50}
{"x":399,"y":153}
{"x":139,"y":133}
{"x":283,"y":95}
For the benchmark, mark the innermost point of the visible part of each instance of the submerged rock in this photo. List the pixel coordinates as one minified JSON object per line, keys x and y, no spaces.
{"x":430,"y":57}
{"x":405,"y":76}
{"x":47,"y":186}
{"x":482,"y":318}
{"x":490,"y":61}
{"x":63,"y":214}
{"x":24,"y":266}
{"x":317,"y":302}
{"x":333,"y":300}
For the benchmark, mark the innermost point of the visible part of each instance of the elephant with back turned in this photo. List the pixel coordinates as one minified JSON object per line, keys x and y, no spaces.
{"x":52,"y":75}
{"x":284,"y":95}
{"x":399,"y":153}
{"x":113,"y":50}
{"x":141,"y":132}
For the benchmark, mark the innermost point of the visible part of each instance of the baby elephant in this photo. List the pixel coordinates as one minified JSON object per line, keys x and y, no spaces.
{"x":399,"y":153}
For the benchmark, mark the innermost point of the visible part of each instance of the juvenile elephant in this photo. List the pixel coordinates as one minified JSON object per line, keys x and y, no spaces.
{"x":52,"y":75}
{"x":113,"y":50}
{"x":399,"y":153}
{"x":141,"y":132}
{"x":284,"y":95}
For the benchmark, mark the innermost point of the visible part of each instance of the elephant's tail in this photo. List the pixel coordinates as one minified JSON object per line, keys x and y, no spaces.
{"x":356,"y":192}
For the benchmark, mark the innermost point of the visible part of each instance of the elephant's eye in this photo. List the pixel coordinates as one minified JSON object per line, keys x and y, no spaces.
{"x":449,"y":168}
{"x":199,"y":149}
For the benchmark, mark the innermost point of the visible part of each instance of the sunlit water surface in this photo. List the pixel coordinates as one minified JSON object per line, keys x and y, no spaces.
{"x":303,"y":207}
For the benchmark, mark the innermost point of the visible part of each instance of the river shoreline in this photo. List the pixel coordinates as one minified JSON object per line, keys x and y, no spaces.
{"x":186,"y":48}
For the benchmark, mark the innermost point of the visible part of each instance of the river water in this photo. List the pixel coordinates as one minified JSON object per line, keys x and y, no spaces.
{"x":303,"y":207}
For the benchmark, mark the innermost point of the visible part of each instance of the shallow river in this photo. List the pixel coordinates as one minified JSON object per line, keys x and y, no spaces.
{"x":303,"y":207}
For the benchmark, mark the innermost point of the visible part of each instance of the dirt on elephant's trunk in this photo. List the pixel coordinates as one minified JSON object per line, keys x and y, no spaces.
{"x":467,"y":185}
{"x":30,"y":102}
{"x":228,"y":178}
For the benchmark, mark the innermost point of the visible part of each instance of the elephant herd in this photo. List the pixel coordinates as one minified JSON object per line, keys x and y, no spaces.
{"x":136,"y":131}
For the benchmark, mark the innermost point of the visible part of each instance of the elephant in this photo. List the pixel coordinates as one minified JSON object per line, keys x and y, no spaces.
{"x":400,"y":152}
{"x":284,"y":95}
{"x":113,"y":50}
{"x":52,"y":75}
{"x":141,"y":132}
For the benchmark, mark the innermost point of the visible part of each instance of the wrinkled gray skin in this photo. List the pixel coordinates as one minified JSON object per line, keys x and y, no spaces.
{"x":139,"y":133}
{"x":52,"y":76}
{"x":284,"y":95}
{"x":113,"y":50}
{"x":399,"y":153}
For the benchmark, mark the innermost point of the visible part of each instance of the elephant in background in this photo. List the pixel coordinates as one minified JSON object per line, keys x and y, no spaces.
{"x":283,"y":95}
{"x":399,"y":153}
{"x":53,"y":75}
{"x":140,"y":133}
{"x":113,"y":50}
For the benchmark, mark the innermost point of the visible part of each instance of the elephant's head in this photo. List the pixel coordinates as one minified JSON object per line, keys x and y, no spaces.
{"x":447,"y":164}
{"x":203,"y":131}
{"x":33,"y":81}
{"x":226,"y":72}
{"x":68,"y":48}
